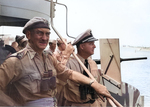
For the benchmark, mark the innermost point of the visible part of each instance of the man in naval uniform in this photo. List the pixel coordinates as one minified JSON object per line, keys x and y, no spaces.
{"x":78,"y":94}
{"x":60,"y":84}
{"x":28,"y":77}
{"x":60,"y":48}
{"x":52,"y":46}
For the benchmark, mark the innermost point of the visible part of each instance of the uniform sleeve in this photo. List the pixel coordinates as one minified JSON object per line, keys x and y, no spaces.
{"x":63,"y":72}
{"x":71,"y":66}
{"x":7,"y":73}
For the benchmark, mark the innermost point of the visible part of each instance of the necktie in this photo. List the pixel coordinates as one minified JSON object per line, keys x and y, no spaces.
{"x":86,"y":65}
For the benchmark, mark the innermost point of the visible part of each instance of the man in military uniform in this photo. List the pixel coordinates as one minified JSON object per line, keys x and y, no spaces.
{"x":60,"y":84}
{"x":60,"y":48}
{"x":79,"y":94}
{"x":29,"y":76}
{"x":52,"y":46}
{"x":22,"y":42}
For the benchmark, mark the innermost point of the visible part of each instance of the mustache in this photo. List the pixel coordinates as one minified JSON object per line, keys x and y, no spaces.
{"x":43,"y":41}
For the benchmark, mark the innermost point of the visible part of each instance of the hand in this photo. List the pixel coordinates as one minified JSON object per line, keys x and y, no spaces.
{"x":101,"y":89}
{"x":68,"y":51}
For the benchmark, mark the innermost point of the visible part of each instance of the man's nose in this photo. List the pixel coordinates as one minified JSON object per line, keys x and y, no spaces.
{"x":44,"y":37}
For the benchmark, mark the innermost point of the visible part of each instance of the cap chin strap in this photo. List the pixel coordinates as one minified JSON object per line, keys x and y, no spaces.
{"x":87,"y":39}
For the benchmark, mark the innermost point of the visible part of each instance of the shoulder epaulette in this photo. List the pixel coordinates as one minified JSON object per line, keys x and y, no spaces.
{"x":20,"y":54}
{"x":47,"y":52}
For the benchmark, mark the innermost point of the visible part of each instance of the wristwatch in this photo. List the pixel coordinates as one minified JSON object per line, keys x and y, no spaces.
{"x":92,"y":81}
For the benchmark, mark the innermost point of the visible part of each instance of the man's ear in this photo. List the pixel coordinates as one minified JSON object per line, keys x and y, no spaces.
{"x":28,"y":34}
{"x":82,"y":46}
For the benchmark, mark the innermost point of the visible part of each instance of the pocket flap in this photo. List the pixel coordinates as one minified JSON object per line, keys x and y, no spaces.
{"x":35,"y":76}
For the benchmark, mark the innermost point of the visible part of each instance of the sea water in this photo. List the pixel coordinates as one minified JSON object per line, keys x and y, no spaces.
{"x":137,"y":72}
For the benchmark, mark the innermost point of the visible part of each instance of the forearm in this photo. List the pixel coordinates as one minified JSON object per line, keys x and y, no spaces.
{"x":6,"y":100}
{"x":79,"y":78}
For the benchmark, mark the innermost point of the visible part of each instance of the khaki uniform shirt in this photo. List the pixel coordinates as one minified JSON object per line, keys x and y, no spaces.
{"x":58,"y":55}
{"x":49,"y":50}
{"x":60,"y":84}
{"x":23,"y":73}
{"x":71,"y":91}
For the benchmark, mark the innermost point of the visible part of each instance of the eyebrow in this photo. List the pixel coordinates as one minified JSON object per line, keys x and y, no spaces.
{"x":43,"y":31}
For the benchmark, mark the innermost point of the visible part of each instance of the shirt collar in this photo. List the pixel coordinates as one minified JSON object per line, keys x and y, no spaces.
{"x":31,"y":52}
{"x":82,"y":59}
{"x":50,"y":50}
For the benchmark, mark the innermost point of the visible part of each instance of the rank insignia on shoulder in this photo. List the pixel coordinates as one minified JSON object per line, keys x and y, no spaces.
{"x":20,"y":55}
{"x":48,"y":52}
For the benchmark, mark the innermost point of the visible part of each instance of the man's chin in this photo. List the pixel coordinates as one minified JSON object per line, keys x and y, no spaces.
{"x":92,"y":53}
{"x":42,"y":47}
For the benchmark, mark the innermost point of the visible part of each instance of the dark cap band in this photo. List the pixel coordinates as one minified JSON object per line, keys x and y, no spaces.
{"x":86,"y":36}
{"x":84,"y":40}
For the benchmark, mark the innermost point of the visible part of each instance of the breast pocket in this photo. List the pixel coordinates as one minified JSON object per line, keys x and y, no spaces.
{"x":32,"y":82}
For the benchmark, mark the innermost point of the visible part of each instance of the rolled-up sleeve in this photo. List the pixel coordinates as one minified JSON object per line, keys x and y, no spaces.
{"x":64,"y":75}
{"x":63,"y":72}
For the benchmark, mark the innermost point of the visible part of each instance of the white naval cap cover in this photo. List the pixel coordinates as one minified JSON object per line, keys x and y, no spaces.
{"x":84,"y":37}
{"x":52,"y":41}
{"x":36,"y":22}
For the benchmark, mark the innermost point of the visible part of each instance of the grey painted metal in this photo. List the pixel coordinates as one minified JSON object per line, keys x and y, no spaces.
{"x":13,"y":11}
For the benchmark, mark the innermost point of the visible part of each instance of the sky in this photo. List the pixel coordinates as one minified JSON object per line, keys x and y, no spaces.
{"x":128,"y":20}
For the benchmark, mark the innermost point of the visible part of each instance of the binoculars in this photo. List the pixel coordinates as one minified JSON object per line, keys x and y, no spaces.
{"x":86,"y":89}
{"x":48,"y":81}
